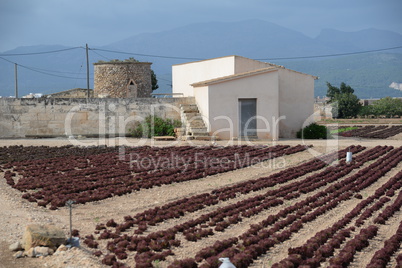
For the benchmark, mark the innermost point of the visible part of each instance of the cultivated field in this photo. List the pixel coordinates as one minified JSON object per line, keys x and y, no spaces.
{"x":173,"y":205}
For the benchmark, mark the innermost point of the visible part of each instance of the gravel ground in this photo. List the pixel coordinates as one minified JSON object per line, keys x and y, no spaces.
{"x":16,"y":212}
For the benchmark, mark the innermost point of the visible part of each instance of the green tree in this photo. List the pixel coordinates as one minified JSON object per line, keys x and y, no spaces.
{"x":345,"y":102}
{"x":154,"y":81}
{"x":366,"y":111}
{"x":348,"y":105}
{"x":344,"y":89}
{"x":388,"y":107}
{"x":332,"y":92}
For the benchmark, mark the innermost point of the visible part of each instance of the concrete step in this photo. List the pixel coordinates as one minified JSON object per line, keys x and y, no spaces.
{"x":192,"y":115}
{"x":194,"y":119}
{"x":197,"y":130}
{"x":189,"y":108}
{"x":164,"y":138}
{"x":195,"y":124}
{"x":202,"y":138}
{"x":198,"y":133}
{"x":203,"y":134}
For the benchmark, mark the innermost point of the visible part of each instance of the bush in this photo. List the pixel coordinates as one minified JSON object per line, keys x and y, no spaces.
{"x":155,"y":126}
{"x":313,"y":131}
{"x":388,"y":107}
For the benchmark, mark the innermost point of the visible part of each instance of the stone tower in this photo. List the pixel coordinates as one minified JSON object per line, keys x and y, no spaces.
{"x":123,"y":79}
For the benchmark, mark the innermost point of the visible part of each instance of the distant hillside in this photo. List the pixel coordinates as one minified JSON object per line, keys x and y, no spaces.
{"x":370,"y":74}
{"x":251,"y":38}
{"x":369,"y":39}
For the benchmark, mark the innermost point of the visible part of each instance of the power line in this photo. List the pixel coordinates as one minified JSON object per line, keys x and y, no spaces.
{"x":39,"y":71}
{"x":283,"y":58}
{"x":333,"y":55}
{"x":194,"y":58}
{"x":49,"y":72}
{"x":147,"y":55}
{"x":99,"y":54}
{"x":53,"y":71}
{"x":46,"y":73}
{"x":38,"y":53}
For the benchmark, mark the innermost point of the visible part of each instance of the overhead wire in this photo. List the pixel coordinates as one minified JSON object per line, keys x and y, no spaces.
{"x":279,"y":58}
{"x":39,"y":53}
{"x":94,"y":50}
{"x":54,"y":71}
{"x":147,"y":55}
{"x":34,"y":69}
{"x":193,"y":58}
{"x":333,"y":55}
{"x":46,"y":73}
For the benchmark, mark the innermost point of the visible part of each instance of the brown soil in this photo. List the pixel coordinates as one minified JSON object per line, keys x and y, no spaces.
{"x":16,"y":212}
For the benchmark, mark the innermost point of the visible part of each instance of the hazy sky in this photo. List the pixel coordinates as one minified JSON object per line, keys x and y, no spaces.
{"x":100,"y":22}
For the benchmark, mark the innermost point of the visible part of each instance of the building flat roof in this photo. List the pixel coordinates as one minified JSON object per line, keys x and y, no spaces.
{"x":234,"y":76}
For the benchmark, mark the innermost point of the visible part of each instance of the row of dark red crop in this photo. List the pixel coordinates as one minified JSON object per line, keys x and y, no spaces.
{"x":179,"y":207}
{"x":385,"y":133}
{"x":193,"y":223}
{"x":99,"y":176}
{"x":390,"y":210}
{"x":383,"y":256}
{"x":399,"y":261}
{"x":323,"y":244}
{"x":359,"y":242}
{"x":359,"y":130}
{"x":373,"y":132}
{"x":176,"y":209}
{"x":315,"y":251}
{"x":240,"y":259}
{"x":346,"y":193}
{"x":18,"y":153}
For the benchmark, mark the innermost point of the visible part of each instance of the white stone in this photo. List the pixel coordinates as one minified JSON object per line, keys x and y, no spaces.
{"x":42,"y":251}
{"x":15,"y":246}
{"x":61,"y":248}
{"x":43,"y":235}
{"x":18,"y":254}
{"x":29,"y":253}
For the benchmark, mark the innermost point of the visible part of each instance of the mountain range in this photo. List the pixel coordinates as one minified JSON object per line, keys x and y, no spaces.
{"x":370,"y":74}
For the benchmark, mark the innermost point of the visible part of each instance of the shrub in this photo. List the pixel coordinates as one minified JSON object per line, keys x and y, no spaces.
{"x":155,"y":126}
{"x":313,"y":131}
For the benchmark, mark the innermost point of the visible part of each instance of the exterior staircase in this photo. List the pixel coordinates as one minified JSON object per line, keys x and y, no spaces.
{"x":193,"y":124}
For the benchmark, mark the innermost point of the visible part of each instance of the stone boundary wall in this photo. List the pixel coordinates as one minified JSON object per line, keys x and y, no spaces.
{"x":72,"y":93}
{"x":21,"y":118}
{"x":322,"y":111}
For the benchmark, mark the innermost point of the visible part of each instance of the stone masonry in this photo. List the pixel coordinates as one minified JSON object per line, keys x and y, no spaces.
{"x":123,"y":79}
{"x":72,"y":93}
{"x":53,"y":117}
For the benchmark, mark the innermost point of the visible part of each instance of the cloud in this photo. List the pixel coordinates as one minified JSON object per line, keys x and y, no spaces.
{"x":395,"y":85}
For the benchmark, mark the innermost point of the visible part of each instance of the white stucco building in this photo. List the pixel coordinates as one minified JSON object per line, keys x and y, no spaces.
{"x":238,"y":97}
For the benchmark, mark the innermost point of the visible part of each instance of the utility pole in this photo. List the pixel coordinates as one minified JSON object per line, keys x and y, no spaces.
{"x":16,"y":79}
{"x":88,"y":93}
